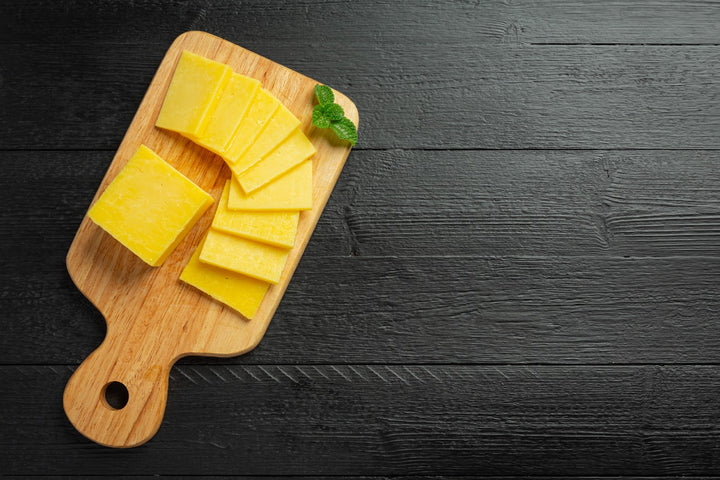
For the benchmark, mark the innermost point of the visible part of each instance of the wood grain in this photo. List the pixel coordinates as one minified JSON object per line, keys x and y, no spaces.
{"x":332,"y":477}
{"x":499,"y":96}
{"x":593,"y":310}
{"x":492,"y":21}
{"x":154,"y":319}
{"x":525,"y":203}
{"x":476,"y":203}
{"x":348,"y":420}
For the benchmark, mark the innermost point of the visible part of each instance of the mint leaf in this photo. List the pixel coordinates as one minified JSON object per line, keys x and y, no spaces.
{"x":333,"y":111}
{"x":345,"y":130}
{"x":324,"y":94}
{"x":328,"y":114}
{"x":319,"y":119}
{"x":325,"y":113}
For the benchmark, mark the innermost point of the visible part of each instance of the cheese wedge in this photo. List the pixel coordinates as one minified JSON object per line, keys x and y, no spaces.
{"x":259,"y":113}
{"x":239,"y":292}
{"x":291,"y":152}
{"x":192,"y":93}
{"x":233,"y":103}
{"x":149,"y":207}
{"x":254,"y":259}
{"x":280,"y":125}
{"x":291,"y":191}
{"x":273,"y":228}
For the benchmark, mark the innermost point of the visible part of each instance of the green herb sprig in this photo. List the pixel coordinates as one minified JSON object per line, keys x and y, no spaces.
{"x":328,"y":114}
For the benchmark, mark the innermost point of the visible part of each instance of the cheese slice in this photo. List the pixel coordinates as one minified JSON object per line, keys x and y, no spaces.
{"x":239,"y":292}
{"x":255,"y":259}
{"x":273,"y":228}
{"x":259,"y":113}
{"x":291,"y":152}
{"x":280,"y":125}
{"x":233,"y":103}
{"x":193,"y":90}
{"x":149,"y":207}
{"x":291,"y":191}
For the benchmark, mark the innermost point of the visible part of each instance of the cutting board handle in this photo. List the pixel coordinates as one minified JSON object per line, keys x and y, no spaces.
{"x":94,"y":395}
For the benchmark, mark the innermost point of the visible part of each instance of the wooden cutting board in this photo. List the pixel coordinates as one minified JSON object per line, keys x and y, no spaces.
{"x":153,"y":318}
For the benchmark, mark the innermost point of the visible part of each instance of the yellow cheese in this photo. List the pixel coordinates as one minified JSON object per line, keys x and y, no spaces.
{"x":193,"y":90}
{"x":149,"y":207}
{"x":291,"y":152}
{"x":218,"y":129}
{"x":239,"y":292}
{"x":273,"y":228}
{"x":280,"y":125}
{"x":259,"y":113}
{"x":291,"y":191}
{"x":255,"y":259}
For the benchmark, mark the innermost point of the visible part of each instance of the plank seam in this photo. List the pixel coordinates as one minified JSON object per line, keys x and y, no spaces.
{"x":371,"y":366}
{"x":618,"y":44}
{"x":426,"y":149}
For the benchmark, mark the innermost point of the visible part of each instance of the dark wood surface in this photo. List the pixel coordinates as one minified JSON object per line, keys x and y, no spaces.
{"x":518,"y":273}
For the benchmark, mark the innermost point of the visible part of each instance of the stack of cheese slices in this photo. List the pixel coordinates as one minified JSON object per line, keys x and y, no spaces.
{"x":256,"y":221}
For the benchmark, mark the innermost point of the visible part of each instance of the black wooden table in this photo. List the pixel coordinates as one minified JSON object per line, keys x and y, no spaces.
{"x":518,"y":272}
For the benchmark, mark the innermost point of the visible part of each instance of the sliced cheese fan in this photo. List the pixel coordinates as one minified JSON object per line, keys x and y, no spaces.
{"x":268,"y":154}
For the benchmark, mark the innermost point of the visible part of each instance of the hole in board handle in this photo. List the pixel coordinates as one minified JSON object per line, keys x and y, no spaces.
{"x":116,"y":395}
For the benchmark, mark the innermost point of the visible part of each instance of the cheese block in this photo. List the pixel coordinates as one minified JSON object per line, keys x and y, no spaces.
{"x":273,"y":228}
{"x":193,"y":91}
{"x":218,"y":129}
{"x":149,"y":207}
{"x":291,"y":191}
{"x":291,"y":152}
{"x":255,"y":259}
{"x":239,"y":292}
{"x":259,"y":113}
{"x":280,"y":125}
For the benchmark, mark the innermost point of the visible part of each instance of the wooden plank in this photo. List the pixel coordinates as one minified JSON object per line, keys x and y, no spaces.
{"x":480,"y":203}
{"x":323,"y":477}
{"x":430,"y":309}
{"x":494,"y":203}
{"x":388,"y":420}
{"x":439,"y":96}
{"x":519,"y":21}
{"x":354,"y":477}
